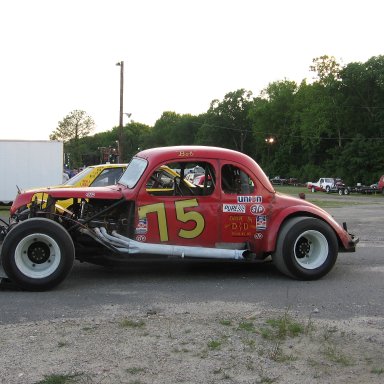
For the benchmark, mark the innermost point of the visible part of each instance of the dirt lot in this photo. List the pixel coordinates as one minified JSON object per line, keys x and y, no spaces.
{"x":205,"y":342}
{"x":216,"y":342}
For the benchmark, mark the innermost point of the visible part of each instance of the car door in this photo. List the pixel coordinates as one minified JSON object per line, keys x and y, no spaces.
{"x":244,"y":209}
{"x":172,"y":210}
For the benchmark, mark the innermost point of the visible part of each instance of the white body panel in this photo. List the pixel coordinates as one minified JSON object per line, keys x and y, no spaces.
{"x":29,"y":164}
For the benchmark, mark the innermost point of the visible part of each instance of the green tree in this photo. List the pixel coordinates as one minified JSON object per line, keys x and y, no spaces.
{"x":175,"y":129}
{"x":327,"y":69}
{"x":272,"y":117}
{"x":76,"y":125}
{"x":226,"y":123}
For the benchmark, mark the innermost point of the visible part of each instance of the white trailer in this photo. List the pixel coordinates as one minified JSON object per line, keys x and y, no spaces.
{"x":29,"y":164}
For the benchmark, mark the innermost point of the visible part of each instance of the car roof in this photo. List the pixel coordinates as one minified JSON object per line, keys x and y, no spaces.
{"x":161,"y":155}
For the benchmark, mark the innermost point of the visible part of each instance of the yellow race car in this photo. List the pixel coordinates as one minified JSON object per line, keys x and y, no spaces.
{"x":100,"y":175}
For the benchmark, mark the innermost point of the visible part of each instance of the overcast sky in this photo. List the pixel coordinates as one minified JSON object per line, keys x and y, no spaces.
{"x":179,"y":55}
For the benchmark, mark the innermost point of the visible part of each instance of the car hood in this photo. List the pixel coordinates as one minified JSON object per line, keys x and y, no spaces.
{"x":113,"y":192}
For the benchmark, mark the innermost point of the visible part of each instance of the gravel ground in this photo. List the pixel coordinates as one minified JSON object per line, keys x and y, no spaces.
{"x":216,"y":342}
{"x":209,"y":342}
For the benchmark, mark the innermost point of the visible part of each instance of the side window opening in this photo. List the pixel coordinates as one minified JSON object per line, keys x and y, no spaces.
{"x":182,"y":179}
{"x":235,"y":181}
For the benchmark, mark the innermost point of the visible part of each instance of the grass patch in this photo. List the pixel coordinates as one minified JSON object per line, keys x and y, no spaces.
{"x":277,"y":354}
{"x":226,"y":322}
{"x":59,"y":379}
{"x":128,"y":323}
{"x":266,"y":380}
{"x":246,"y":326}
{"x":250,"y":343}
{"x":334,"y":203}
{"x":282,"y":327}
{"x":332,"y":353}
{"x":214,"y":344}
{"x":135,"y":370}
{"x":377,"y":371}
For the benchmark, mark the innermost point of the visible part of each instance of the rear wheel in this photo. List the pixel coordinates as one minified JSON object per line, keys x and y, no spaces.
{"x":37,"y":254}
{"x":306,"y":248}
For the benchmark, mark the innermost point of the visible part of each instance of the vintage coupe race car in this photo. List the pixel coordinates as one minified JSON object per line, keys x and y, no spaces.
{"x":234,"y":215}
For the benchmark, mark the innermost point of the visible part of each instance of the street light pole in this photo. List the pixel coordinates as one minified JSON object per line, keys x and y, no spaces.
{"x":121,"y":153}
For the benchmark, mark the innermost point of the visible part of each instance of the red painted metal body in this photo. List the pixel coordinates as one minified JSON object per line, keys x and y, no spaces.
{"x":252,"y":218}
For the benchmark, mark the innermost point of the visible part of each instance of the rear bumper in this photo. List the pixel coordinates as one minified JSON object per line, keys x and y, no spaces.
{"x":351,"y":244}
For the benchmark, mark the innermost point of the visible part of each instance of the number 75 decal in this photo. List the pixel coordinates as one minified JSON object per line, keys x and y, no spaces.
{"x":181,"y":215}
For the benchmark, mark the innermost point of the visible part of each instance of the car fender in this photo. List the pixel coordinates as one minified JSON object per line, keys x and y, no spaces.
{"x":275,"y":222}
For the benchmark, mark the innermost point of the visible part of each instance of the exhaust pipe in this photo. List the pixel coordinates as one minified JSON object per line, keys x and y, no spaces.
{"x":127,"y":245}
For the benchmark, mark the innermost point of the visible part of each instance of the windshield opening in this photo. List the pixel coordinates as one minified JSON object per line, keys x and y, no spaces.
{"x":73,"y":180}
{"x":133,"y":172}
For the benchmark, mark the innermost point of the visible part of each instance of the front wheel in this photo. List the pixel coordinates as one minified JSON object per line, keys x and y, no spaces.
{"x":37,"y":254}
{"x":306,"y":248}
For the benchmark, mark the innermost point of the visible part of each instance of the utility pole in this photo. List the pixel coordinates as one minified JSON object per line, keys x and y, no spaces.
{"x":120,"y":143}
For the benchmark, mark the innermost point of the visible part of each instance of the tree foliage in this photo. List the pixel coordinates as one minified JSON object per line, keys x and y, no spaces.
{"x":331,"y":126}
{"x":226,"y":123}
{"x":74,"y":126}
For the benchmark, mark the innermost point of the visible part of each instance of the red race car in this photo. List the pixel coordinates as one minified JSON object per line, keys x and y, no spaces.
{"x":233,"y":214}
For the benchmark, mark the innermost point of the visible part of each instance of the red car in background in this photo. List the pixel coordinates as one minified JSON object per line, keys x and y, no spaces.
{"x":380,"y":184}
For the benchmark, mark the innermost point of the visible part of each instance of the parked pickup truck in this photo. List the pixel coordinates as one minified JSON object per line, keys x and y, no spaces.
{"x":323,"y":184}
{"x":235,"y":214}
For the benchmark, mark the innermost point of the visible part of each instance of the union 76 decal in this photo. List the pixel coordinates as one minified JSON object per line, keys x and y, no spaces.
{"x":250,"y":199}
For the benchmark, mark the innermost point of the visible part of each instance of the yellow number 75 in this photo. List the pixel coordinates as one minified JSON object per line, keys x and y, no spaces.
{"x":181,"y":215}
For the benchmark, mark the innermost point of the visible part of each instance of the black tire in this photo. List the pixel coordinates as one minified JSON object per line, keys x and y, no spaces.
{"x":346,"y":191}
{"x":327,"y":188}
{"x":306,"y":248}
{"x":341,"y":192}
{"x":37,"y":254}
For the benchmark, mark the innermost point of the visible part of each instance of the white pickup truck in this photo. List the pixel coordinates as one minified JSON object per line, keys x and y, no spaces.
{"x":323,"y":184}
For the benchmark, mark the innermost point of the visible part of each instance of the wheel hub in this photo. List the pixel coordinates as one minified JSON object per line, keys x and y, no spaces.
{"x":38,"y":252}
{"x":302,"y":248}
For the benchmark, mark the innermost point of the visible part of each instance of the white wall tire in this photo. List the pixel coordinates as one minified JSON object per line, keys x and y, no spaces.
{"x":306,"y":248}
{"x":37,"y":254}
{"x":310,"y":249}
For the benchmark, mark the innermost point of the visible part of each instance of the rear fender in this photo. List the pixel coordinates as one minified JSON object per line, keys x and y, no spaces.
{"x":344,"y":238}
